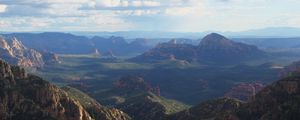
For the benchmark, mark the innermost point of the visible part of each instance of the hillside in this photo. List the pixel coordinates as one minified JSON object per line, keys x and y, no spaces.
{"x":278,"y":101}
{"x":139,"y":99}
{"x":148,"y":106}
{"x":96,"y":110}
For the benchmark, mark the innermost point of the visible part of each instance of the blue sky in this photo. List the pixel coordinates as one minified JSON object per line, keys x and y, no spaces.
{"x":147,"y":15}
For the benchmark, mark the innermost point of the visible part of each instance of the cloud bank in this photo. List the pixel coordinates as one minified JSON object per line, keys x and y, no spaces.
{"x":161,"y":15}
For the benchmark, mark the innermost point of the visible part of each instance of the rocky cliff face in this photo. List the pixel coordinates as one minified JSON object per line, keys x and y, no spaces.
{"x":16,"y":53}
{"x":29,"y":97}
{"x":25,"y":97}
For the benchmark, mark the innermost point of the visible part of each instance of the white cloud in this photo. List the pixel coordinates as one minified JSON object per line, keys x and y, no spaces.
{"x":139,"y":3}
{"x":138,"y":12}
{"x":179,"y":11}
{"x":295,"y":22}
{"x":2,"y":8}
{"x":188,"y":15}
{"x":38,"y":23}
{"x":108,"y":3}
{"x":151,"y":3}
{"x":4,"y":24}
{"x":122,"y":3}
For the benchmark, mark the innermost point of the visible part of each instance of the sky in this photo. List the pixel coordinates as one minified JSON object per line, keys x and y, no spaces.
{"x":147,"y":15}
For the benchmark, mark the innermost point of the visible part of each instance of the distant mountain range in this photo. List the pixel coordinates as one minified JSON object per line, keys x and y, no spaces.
{"x":263,"y":32}
{"x":213,"y":48}
{"x":135,"y":42}
{"x":65,"y":43}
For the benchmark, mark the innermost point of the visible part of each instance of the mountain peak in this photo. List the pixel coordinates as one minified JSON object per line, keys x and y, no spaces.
{"x":214,"y":38}
{"x":16,"y":44}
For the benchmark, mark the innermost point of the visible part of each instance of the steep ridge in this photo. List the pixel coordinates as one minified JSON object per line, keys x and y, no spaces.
{"x":148,"y":106}
{"x":24,"y":96}
{"x":14,"y":52}
{"x":96,"y":110}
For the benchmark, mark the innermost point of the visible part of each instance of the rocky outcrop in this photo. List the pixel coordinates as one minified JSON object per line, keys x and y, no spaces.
{"x":28,"y":97}
{"x":96,"y":53}
{"x":50,"y":58}
{"x":244,"y":91}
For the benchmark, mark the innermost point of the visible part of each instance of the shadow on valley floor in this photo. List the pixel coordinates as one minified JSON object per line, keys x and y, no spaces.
{"x":177,"y":80}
